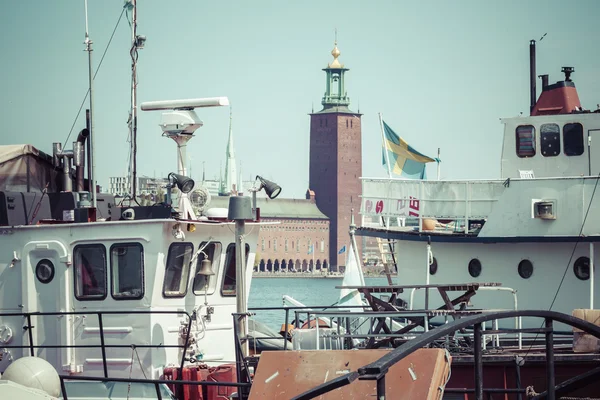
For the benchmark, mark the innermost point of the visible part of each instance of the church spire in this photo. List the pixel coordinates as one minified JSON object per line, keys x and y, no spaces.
{"x":230,"y":181}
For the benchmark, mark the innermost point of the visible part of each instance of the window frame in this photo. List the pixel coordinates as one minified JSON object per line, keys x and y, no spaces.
{"x":215,"y":264}
{"x":76,"y":274}
{"x":517,"y":141}
{"x":141,"y":270}
{"x":570,"y":153}
{"x":226,"y":269}
{"x":179,"y":294}
{"x":548,"y":133}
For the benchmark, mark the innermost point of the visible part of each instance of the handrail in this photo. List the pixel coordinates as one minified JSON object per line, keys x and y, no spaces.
{"x":518,"y":321}
{"x":103,"y":346}
{"x":378,"y":369}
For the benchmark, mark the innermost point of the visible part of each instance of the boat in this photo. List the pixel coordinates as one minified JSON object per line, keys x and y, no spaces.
{"x":104,"y":288}
{"x":533,"y":232}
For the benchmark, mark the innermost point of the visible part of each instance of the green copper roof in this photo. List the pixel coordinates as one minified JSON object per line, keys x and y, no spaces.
{"x":278,"y":208}
{"x":336,"y":109}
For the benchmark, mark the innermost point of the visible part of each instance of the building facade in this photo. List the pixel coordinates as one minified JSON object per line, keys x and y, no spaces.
{"x":336,"y":159}
{"x":297,"y":238}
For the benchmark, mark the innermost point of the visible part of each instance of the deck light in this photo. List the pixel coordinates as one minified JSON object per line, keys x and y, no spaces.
{"x":271,"y":188}
{"x":183,"y":183}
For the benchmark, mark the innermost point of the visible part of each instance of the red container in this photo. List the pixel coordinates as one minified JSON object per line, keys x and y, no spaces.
{"x":190,"y":373}
{"x":222,"y":373}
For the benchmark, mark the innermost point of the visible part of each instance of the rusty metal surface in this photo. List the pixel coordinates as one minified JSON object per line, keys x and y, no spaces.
{"x":283,"y":375}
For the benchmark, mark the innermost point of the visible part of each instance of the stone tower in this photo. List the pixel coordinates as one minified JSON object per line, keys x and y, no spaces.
{"x":336,"y":159}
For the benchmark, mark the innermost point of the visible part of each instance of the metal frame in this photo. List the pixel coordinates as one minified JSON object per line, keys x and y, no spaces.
{"x":378,"y":369}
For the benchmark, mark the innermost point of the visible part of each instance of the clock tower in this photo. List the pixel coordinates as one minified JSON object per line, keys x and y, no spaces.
{"x":335,"y":160}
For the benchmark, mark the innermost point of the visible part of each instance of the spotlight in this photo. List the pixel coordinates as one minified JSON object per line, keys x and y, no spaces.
{"x":271,"y":188}
{"x":183,"y":183}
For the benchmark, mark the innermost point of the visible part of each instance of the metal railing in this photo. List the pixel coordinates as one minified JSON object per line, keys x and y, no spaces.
{"x":376,"y":371}
{"x":29,"y":327}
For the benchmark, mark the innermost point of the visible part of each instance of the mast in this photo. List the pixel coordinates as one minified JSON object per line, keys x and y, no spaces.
{"x":92,"y":158}
{"x":137,"y":42}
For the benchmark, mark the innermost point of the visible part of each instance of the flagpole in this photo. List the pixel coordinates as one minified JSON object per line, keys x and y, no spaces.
{"x":438,"y":165}
{"x":387,"y":157}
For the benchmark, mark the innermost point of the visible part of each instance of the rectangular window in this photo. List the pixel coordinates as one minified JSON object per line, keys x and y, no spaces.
{"x":286,"y":245}
{"x":127,"y":270}
{"x":274,"y":244}
{"x":573,"y":139}
{"x":550,"y":140}
{"x":322,"y":246}
{"x":177,"y":269}
{"x":90,"y":272}
{"x":262,"y":245}
{"x":297,"y":245}
{"x":204,"y":282}
{"x":525,"y":141}
{"x":229,"y":278}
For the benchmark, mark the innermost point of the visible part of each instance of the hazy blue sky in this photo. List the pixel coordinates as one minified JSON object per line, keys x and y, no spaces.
{"x":441,"y":72}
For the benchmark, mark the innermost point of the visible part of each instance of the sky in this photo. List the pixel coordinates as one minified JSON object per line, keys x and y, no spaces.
{"x":442,"y":73}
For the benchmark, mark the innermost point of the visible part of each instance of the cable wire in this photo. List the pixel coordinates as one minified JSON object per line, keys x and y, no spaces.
{"x":96,"y":73}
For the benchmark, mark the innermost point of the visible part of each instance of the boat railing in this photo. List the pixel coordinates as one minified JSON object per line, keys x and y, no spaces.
{"x":158,"y":384}
{"x":377,"y":370}
{"x":30,"y":325}
{"x":463,"y":205}
{"x":496,"y":337}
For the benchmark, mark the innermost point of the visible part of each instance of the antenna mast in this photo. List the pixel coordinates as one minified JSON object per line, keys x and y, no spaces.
{"x":92,"y":159}
{"x":137,"y":42}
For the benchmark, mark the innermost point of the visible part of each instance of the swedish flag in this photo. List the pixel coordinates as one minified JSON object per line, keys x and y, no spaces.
{"x":404,"y":160}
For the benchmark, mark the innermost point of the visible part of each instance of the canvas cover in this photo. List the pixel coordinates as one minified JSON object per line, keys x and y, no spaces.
{"x":23,"y":168}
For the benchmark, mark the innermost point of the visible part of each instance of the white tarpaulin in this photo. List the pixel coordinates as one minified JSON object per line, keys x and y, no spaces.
{"x":441,"y":199}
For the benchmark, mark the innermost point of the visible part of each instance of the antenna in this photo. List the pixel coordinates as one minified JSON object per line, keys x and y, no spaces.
{"x":137,"y":42}
{"x":92,"y":157}
{"x":181,"y":121}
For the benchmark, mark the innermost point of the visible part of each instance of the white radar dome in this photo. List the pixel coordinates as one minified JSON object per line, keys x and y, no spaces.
{"x":35,"y":373}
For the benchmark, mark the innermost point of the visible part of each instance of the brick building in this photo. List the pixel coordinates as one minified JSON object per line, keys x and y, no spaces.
{"x":336,"y":158}
{"x":298,"y":239}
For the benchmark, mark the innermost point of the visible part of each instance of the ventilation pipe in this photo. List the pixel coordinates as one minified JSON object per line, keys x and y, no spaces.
{"x":532,"y":89}
{"x":544,"y":81}
{"x":79,"y":158}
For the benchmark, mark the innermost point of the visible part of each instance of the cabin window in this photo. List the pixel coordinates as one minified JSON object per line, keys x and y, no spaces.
{"x":525,"y":269}
{"x":525,"y":141}
{"x":229,"y":278}
{"x":573,"y":139}
{"x":581,"y":268}
{"x":127,"y":270}
{"x":90,"y":272}
{"x":177,"y":269}
{"x":474,"y":268}
{"x":213,"y":251}
{"x":550,"y":140}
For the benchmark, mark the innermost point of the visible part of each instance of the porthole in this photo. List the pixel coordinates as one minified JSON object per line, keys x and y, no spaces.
{"x":525,"y":269}
{"x":474,"y":268}
{"x":44,"y":271}
{"x":582,"y":268}
{"x":433,"y":267}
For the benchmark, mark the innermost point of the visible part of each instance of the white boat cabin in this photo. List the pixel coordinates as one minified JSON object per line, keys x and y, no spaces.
{"x":140,"y":277}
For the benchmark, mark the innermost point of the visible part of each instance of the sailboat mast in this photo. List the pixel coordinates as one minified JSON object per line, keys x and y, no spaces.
{"x":133,"y":128}
{"x":92,"y":158}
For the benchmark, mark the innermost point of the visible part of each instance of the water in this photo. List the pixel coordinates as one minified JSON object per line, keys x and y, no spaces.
{"x":268,"y":292}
